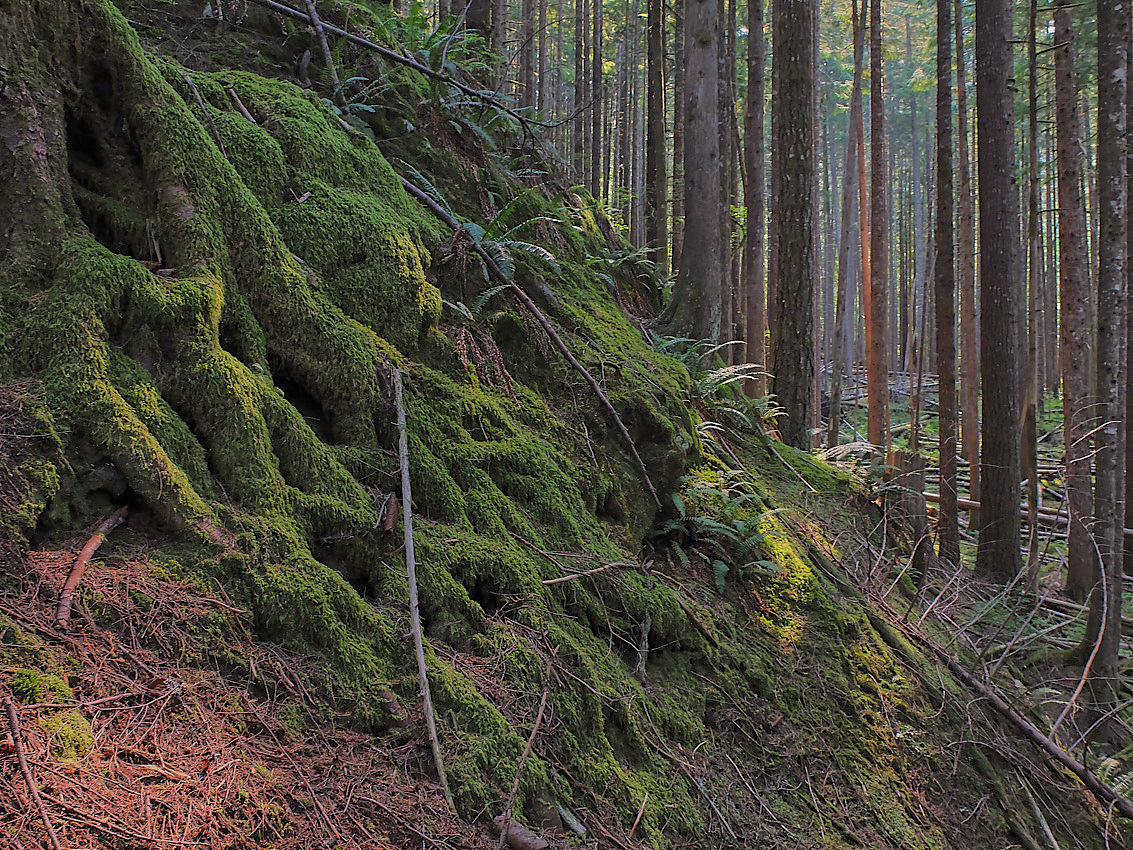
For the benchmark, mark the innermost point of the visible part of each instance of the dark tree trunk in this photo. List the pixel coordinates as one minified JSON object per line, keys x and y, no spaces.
{"x":754,"y":188}
{"x":947,"y":529}
{"x":966,"y":243}
{"x":701,"y":288}
{"x":998,"y":552}
{"x":1077,"y":335}
{"x":793,"y":148}
{"x":656,"y":175}
{"x":680,"y":96}
{"x":1109,"y":439}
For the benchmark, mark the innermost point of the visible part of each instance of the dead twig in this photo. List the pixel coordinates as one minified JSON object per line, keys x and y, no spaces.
{"x":414,"y":607}
{"x":497,"y":273}
{"x":506,"y":823}
{"x":67,"y":595}
{"x":33,"y":789}
{"x":573,"y":576}
{"x":208,"y":115}
{"x":320,"y":33}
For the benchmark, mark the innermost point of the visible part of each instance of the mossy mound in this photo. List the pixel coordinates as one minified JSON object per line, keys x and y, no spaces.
{"x":204,"y":311}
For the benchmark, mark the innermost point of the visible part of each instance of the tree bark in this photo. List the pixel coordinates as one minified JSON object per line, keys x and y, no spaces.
{"x":998,"y":553}
{"x":1109,"y":436}
{"x":1073,"y":285}
{"x":656,"y":174}
{"x":754,"y":190}
{"x":679,"y":97}
{"x":966,"y":244}
{"x":948,"y":525}
{"x":793,"y":147}
{"x":701,"y":287}
{"x":877,"y":365}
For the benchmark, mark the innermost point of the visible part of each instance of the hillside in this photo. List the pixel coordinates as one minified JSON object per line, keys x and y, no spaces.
{"x":210,"y":281}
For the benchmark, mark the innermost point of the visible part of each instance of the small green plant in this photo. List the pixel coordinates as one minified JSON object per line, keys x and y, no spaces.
{"x":718,"y":521}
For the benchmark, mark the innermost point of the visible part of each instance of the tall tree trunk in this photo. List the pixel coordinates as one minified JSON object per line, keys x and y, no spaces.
{"x":1073,"y":285}
{"x":865,"y":334}
{"x":1129,"y":322}
{"x":754,"y":188}
{"x":1109,"y":455}
{"x":656,"y":175}
{"x":701,"y":287}
{"x":849,"y":185}
{"x":948,"y":528}
{"x":680,"y":96}
{"x":580,"y":94}
{"x":541,"y":82}
{"x":792,"y":106}
{"x":597,"y":150}
{"x":998,"y":552}
{"x":1030,"y":307}
{"x":877,"y":366}
{"x":966,"y":243}
{"x":527,"y":54}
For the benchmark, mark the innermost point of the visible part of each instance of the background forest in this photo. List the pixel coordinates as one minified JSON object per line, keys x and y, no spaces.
{"x":574,"y":423}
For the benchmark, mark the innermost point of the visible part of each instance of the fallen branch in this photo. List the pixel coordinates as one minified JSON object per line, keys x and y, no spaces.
{"x":497,"y":274}
{"x":320,"y":33}
{"x":33,"y":789}
{"x":67,"y":595}
{"x":208,"y":115}
{"x":414,"y":607}
{"x":394,"y":56}
{"x":573,"y":576}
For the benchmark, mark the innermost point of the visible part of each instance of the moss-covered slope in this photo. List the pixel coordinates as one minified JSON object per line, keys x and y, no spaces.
{"x":200,"y":315}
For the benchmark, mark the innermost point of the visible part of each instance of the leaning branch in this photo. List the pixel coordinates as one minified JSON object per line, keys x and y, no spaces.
{"x":498,"y":275}
{"x":414,"y":608}
{"x":33,"y":790}
{"x":394,"y":56}
{"x":67,"y":595}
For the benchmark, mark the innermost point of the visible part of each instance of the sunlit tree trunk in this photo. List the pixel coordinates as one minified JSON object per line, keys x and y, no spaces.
{"x":792,"y":106}
{"x":1073,"y":284}
{"x":998,"y":552}
{"x":947,"y":529}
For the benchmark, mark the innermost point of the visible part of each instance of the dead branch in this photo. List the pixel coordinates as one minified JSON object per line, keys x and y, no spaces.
{"x":414,"y":608}
{"x":320,"y":33}
{"x":67,"y":595}
{"x":208,"y":115}
{"x":497,"y":274}
{"x":397,"y":58}
{"x":573,"y":576}
{"x":33,"y":789}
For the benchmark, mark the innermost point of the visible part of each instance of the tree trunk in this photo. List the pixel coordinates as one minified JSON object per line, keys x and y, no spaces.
{"x":845,"y":237}
{"x":793,"y":148}
{"x":998,"y":552}
{"x":1109,"y":439}
{"x":966,"y":243}
{"x":680,"y":96}
{"x":1077,"y":334}
{"x":754,"y":188}
{"x":656,"y":175}
{"x":701,"y":287}
{"x":948,"y":528}
{"x":596,"y":149}
{"x":877,"y":366}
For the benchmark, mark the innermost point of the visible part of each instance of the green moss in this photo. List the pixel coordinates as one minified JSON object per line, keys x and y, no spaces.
{"x":70,"y":732}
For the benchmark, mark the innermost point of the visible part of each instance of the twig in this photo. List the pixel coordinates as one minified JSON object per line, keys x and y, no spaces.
{"x":573,"y":576}
{"x":240,"y":105}
{"x":1038,"y":813}
{"x":798,"y":475}
{"x":497,"y":273}
{"x":17,"y":739}
{"x":637,"y":819}
{"x":67,"y":595}
{"x":320,"y":33}
{"x":526,"y":752}
{"x":414,"y":608}
{"x":208,"y":115}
